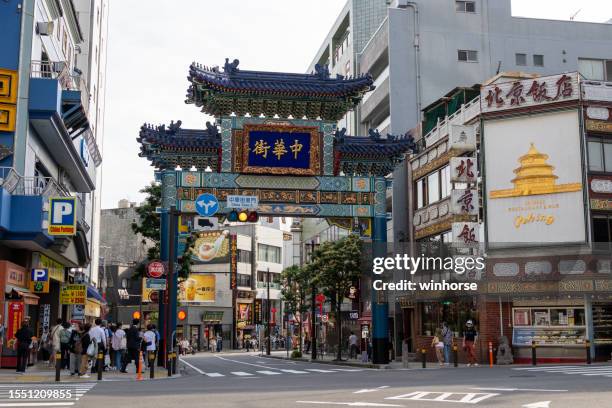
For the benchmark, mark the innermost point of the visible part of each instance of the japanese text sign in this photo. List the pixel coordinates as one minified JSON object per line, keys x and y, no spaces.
{"x":73,"y":295}
{"x":529,"y":92}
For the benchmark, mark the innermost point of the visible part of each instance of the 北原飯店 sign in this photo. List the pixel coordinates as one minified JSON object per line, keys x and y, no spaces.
{"x":73,"y":294}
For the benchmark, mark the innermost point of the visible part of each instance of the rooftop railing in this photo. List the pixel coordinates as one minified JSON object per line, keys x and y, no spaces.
{"x":17,"y":184}
{"x":464,"y":114}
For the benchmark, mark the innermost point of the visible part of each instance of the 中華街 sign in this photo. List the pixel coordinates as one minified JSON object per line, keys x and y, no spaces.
{"x":534,"y":186}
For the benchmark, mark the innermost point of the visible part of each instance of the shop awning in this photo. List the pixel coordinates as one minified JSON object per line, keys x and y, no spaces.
{"x":94,"y":294}
{"x":28,"y":297}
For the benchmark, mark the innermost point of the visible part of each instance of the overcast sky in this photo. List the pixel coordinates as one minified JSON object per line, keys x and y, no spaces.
{"x":152,"y":42}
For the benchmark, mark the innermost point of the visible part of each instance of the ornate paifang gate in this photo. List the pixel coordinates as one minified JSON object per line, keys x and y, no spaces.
{"x":296,"y":167}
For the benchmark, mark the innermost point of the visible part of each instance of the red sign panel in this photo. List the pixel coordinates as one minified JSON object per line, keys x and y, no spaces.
{"x":15,"y":317}
{"x":156,"y":269}
{"x":233,"y":261}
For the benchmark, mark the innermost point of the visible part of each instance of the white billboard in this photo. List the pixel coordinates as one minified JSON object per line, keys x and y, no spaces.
{"x":534,"y":186}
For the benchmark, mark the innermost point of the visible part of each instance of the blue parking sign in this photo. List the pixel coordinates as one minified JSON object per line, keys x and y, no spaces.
{"x":206,"y":205}
{"x":62,"y":216}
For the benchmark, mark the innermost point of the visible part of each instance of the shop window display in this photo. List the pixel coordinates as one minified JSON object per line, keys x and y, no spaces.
{"x":549,"y":326}
{"x":455,"y":314}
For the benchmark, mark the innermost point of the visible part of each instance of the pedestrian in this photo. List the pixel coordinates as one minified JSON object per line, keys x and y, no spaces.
{"x":23,"y":346}
{"x":307,"y":345}
{"x":469,"y":338}
{"x":119,"y":345}
{"x":54,"y":338}
{"x":150,"y":341}
{"x":98,"y":336}
{"x":213,"y":344}
{"x":87,"y":351}
{"x":219,"y":343}
{"x":354,"y":350}
{"x":447,"y":339}
{"x":133,"y":346}
{"x":64,"y":337}
{"x":438,"y":345}
{"x":157,"y":336}
{"x":75,"y":347}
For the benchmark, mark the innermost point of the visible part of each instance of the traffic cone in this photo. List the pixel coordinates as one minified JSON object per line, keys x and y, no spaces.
{"x":139,"y":375}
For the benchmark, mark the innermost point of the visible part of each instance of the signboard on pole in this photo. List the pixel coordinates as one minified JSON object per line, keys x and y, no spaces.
{"x":156,"y":269}
{"x":39,"y":280}
{"x":242,"y":201}
{"x":155,"y":284}
{"x":206,"y":205}
{"x":73,"y":294}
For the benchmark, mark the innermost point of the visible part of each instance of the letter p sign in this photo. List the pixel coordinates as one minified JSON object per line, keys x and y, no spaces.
{"x":62,"y":216}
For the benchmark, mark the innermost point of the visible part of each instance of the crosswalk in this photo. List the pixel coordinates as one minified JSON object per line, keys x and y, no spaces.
{"x":592,"y":370}
{"x":42,"y":395}
{"x":279,"y":371}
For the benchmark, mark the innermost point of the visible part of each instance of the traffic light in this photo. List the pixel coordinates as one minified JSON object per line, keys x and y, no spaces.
{"x":242,"y":216}
{"x":136,"y":315}
{"x":182,"y":315}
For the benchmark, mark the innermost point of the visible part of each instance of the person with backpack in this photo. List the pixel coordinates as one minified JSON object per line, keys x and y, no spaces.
{"x":133,"y":341}
{"x":54,"y":341}
{"x":88,"y":351}
{"x":64,"y":337}
{"x":76,"y":349}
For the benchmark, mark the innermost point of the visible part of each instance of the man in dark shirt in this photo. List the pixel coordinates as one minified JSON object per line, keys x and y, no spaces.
{"x":469,"y":338}
{"x":133,"y":340}
{"x":24,"y":341}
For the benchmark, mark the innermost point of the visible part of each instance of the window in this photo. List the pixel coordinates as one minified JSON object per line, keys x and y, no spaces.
{"x":521,"y":59}
{"x":268,"y":253}
{"x":465,"y":6}
{"x":244,"y":280}
{"x":467,"y":55}
{"x":244,"y":256}
{"x":420,"y":193}
{"x":602,"y":227}
{"x":538,"y":60}
{"x":445,"y":183}
{"x":433,"y":187}
{"x":592,"y":69}
{"x":600,"y":155}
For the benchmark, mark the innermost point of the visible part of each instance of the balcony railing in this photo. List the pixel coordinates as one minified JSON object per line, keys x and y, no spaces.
{"x":264,"y":285}
{"x":59,"y":70}
{"x":467,"y":112}
{"x":16,"y":184}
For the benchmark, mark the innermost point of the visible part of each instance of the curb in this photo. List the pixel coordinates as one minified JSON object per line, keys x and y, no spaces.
{"x":37,"y":378}
{"x":330,"y":362}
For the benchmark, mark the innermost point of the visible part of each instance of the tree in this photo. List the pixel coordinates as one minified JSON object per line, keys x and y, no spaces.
{"x":338,"y":266}
{"x":294,"y":291}
{"x":148,"y":226}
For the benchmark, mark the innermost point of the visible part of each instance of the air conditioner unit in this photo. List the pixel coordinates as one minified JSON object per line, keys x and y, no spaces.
{"x":44,"y":27}
{"x":58,"y":66}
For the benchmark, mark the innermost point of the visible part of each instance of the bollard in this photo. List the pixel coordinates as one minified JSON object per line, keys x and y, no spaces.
{"x":424,"y":356}
{"x":533,"y":353}
{"x":174,"y":362}
{"x":100,"y":363}
{"x":169,"y":365}
{"x":139,"y":367}
{"x":151,"y":365}
{"x":588,"y":351}
{"x":490,"y":354}
{"x":455,"y":355}
{"x":58,"y":365}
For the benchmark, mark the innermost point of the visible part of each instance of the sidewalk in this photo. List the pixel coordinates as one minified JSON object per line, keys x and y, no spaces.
{"x":40,"y":372}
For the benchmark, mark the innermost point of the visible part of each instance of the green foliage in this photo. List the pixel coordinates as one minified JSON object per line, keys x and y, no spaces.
{"x":149,"y":227}
{"x":296,"y":354}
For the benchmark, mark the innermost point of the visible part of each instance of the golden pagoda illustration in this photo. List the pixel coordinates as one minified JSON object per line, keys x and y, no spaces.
{"x":533,"y":177}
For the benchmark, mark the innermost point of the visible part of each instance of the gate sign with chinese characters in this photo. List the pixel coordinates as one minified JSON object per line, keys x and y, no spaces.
{"x":73,"y":295}
{"x":464,"y":202}
{"x":529,"y":92}
{"x":242,"y":201}
{"x":274,"y":149}
{"x":463,"y":169}
{"x":465,"y":234}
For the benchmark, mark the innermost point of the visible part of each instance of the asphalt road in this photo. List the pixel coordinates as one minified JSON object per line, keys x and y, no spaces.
{"x":241,"y":380}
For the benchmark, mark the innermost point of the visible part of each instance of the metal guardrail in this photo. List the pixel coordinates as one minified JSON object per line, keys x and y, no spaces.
{"x":59,"y":70}
{"x":16,"y":184}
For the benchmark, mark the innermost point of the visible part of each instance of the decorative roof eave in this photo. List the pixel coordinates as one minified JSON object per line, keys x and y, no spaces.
{"x":273,"y":93}
{"x":372,"y":154}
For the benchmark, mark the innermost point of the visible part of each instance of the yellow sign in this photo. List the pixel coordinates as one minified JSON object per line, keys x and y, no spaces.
{"x":535,"y":176}
{"x":56,"y":269}
{"x":599,"y":125}
{"x":92,"y":308}
{"x":197,"y":288}
{"x":73,"y":295}
{"x":149,"y":295}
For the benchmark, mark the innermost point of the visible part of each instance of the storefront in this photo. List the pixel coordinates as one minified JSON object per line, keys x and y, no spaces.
{"x":203,"y":323}
{"x":18,"y":303}
{"x":245,"y":328}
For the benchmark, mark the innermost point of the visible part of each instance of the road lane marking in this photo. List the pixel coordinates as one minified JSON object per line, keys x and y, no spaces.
{"x":243,"y":362}
{"x":517,"y":389}
{"x":241,"y":373}
{"x":436,"y":396}
{"x":351,"y":404}
{"x":38,"y":404}
{"x":318,"y":370}
{"x":192,"y":366}
{"x":362,"y":391}
{"x":350,"y":370}
{"x":214,"y":374}
{"x":294,"y":371}
{"x":539,"y":404}
{"x":269,"y":372}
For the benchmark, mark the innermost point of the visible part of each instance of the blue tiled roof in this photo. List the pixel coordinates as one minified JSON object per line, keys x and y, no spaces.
{"x":178,"y":138}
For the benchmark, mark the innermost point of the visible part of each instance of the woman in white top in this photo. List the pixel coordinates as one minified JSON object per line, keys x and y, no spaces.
{"x":119,"y":344}
{"x":149,"y":339}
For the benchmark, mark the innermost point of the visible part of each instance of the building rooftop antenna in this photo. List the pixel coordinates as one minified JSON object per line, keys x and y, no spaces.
{"x":573,"y":16}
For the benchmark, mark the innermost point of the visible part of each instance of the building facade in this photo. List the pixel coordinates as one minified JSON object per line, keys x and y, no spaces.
{"x":50,"y":144}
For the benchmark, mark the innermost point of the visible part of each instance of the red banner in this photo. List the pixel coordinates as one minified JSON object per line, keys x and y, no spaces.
{"x":15,"y":317}
{"x":233,"y":261}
